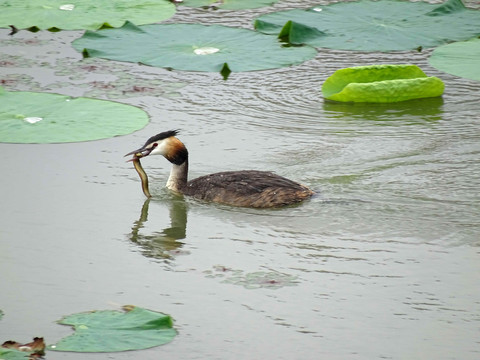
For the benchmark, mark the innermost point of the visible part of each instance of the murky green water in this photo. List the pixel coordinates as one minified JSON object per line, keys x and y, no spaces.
{"x":382,"y":263}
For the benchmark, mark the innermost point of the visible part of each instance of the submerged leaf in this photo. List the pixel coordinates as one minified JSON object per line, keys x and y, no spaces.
{"x":30,"y":117}
{"x":111,"y":331}
{"x":81,"y":14}
{"x":460,"y":59}
{"x":381,"y":83}
{"x":253,"y":280}
{"x":382,"y":25}
{"x":229,"y":4}
{"x":261,"y":279}
{"x":192,"y":47}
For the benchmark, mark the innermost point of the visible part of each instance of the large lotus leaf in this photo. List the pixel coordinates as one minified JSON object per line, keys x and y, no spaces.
{"x":460,"y":59}
{"x":192,"y":47}
{"x":82,"y":14}
{"x":111,"y":331}
{"x":30,"y":117}
{"x":229,"y":4}
{"x":382,"y":25}
{"x":381,"y":83}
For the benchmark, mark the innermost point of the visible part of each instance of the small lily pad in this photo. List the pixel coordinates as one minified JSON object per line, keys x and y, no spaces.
{"x":381,"y":83}
{"x":81,"y":14}
{"x":192,"y":47}
{"x":229,"y":4}
{"x":382,"y":25}
{"x":112,"y":331}
{"x":460,"y":59}
{"x":12,"y":354}
{"x":31,"y":117}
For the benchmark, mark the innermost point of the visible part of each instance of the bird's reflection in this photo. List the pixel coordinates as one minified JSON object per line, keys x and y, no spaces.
{"x":163,"y":244}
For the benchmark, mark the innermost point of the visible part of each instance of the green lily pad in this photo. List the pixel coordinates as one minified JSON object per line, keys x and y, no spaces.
{"x":12,"y":354}
{"x":381,"y":84}
{"x":82,"y":14}
{"x":382,"y":25}
{"x":30,"y":117}
{"x":112,"y":331}
{"x":229,"y":4}
{"x":192,"y":47}
{"x":460,"y":59}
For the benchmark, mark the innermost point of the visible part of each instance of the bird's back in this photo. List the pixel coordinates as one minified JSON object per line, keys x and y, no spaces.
{"x":250,"y":188}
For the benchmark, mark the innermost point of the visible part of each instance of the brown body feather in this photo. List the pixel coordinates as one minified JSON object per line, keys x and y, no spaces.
{"x":249,"y":188}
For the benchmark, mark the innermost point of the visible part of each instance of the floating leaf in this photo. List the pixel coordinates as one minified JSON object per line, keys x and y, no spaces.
{"x":381,"y":83}
{"x":111,"y":331}
{"x":192,"y":47}
{"x":30,"y":117}
{"x":229,"y":4}
{"x":382,"y":25}
{"x":460,"y":59}
{"x":81,"y":14}
{"x":296,"y":33}
{"x":12,"y":354}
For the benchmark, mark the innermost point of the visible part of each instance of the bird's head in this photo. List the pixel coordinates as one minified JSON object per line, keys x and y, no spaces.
{"x":165,"y":144}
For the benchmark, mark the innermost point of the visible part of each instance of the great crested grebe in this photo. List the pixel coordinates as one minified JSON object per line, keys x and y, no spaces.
{"x":247,"y":188}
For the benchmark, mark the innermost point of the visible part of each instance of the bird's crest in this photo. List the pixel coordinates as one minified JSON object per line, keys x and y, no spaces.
{"x":162,"y":136}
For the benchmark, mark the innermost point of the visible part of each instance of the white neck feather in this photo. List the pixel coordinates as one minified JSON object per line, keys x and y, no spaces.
{"x":178,"y":177}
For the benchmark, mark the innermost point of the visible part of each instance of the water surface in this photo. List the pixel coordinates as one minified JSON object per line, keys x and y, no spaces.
{"x":382,"y":263}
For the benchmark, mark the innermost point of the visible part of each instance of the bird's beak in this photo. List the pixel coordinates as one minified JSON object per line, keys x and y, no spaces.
{"x":139,"y":153}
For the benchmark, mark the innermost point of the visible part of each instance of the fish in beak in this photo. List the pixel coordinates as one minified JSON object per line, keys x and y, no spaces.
{"x":142,"y":152}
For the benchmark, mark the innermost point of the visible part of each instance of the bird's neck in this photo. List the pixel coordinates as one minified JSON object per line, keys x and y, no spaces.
{"x":178,"y":177}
